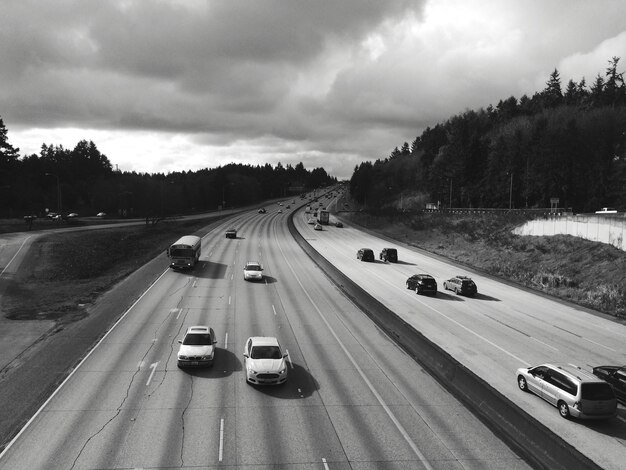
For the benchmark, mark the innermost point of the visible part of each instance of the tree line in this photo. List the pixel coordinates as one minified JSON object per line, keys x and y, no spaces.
{"x":82,"y":180}
{"x":566,"y":144}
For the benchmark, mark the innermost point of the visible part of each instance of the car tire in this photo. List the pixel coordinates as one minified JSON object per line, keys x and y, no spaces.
{"x":445,"y":286}
{"x":522,"y":384}
{"x":408,"y":286}
{"x":456,"y":291}
{"x":417,"y":290}
{"x":563,"y":409}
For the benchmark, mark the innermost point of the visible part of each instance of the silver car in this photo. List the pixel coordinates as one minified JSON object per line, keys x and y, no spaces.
{"x":253,"y":271}
{"x":573,"y":391}
{"x":197,"y":348}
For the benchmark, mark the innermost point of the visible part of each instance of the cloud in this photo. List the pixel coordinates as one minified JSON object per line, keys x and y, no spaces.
{"x":164,"y":84}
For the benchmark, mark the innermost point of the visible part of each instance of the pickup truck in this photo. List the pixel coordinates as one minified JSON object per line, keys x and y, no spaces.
{"x":231,"y":233}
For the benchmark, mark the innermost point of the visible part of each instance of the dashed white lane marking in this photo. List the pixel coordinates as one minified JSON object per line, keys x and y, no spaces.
{"x":274,"y":309}
{"x":221,"y":451}
{"x":153,"y":366}
{"x":325,"y":464}
{"x":289,"y":359}
{"x":226,"y":341}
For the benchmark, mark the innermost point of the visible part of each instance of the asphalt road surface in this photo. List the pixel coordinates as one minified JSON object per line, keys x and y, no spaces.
{"x":494,"y":333}
{"x":353,"y":400}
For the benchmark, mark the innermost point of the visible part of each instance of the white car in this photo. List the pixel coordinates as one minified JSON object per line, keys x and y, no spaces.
{"x":100,"y":214}
{"x":253,"y":271}
{"x":264,"y":361}
{"x":197,"y":348}
{"x":318,"y":227}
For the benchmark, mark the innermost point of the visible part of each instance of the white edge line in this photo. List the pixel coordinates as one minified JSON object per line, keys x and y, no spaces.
{"x":15,"y":255}
{"x":38,"y":412}
{"x":421,"y":457}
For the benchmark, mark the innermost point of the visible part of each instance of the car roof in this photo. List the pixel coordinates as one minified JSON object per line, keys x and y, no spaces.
{"x":263,"y":341}
{"x":198,"y":329}
{"x":574,"y":372}
{"x":253,"y":263}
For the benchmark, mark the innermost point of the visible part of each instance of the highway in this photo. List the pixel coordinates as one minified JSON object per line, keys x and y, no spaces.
{"x":353,"y":399}
{"x":501,"y":329}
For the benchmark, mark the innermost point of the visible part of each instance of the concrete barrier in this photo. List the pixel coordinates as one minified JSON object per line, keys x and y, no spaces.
{"x":533,"y":441}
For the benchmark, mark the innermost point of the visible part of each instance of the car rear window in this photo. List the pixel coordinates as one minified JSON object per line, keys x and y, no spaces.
{"x":596,"y":391}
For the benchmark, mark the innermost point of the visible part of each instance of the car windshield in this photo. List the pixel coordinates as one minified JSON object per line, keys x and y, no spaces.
{"x":197,"y":339}
{"x":265,"y":352}
{"x":596,"y":391}
{"x":252,"y":267}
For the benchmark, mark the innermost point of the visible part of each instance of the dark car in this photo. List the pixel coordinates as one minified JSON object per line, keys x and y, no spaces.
{"x":461,"y":285}
{"x":231,"y":233}
{"x":262,"y":210}
{"x":365,"y":254}
{"x":389,"y":254}
{"x":422,"y":284}
{"x":616,"y":377}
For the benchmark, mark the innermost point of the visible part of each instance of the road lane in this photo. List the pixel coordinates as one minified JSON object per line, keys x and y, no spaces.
{"x":493,"y":334}
{"x":353,"y":399}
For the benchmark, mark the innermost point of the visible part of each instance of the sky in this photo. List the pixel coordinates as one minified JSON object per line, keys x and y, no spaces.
{"x":181,"y":85}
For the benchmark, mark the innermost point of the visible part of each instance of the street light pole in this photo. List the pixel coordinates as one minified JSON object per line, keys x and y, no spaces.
{"x":59,"y":200}
{"x":511,"y":193}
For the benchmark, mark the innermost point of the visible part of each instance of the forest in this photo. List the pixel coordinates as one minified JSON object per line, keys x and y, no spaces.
{"x":82,"y":180}
{"x":560,"y":143}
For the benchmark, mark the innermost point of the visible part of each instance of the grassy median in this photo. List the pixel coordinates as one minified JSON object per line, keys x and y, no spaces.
{"x":64,"y":272}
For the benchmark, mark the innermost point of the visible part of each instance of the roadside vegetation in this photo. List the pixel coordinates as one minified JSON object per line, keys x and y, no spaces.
{"x":587,"y":273}
{"x":63,"y":273}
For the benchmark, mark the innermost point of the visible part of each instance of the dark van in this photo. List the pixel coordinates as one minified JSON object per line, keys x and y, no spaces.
{"x":389,"y":255}
{"x":365,"y":254}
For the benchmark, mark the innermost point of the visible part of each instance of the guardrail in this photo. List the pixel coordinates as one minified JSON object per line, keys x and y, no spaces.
{"x":533,"y":441}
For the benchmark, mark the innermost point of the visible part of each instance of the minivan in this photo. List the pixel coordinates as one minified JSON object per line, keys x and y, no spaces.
{"x":573,"y":391}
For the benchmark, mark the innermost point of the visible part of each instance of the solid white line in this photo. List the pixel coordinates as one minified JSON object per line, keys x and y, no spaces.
{"x":379,"y":398}
{"x":71,"y":374}
{"x":221,"y":451}
{"x":15,"y":255}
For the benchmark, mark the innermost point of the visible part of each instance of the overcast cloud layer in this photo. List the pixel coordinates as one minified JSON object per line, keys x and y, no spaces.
{"x":175,"y":85}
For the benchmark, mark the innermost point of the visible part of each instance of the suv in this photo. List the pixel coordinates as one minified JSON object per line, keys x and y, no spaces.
{"x":461,"y":285}
{"x":365,"y":254}
{"x":231,"y":233}
{"x":422,"y":284}
{"x":389,"y":254}
{"x":572,"y":390}
{"x":616,"y":377}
